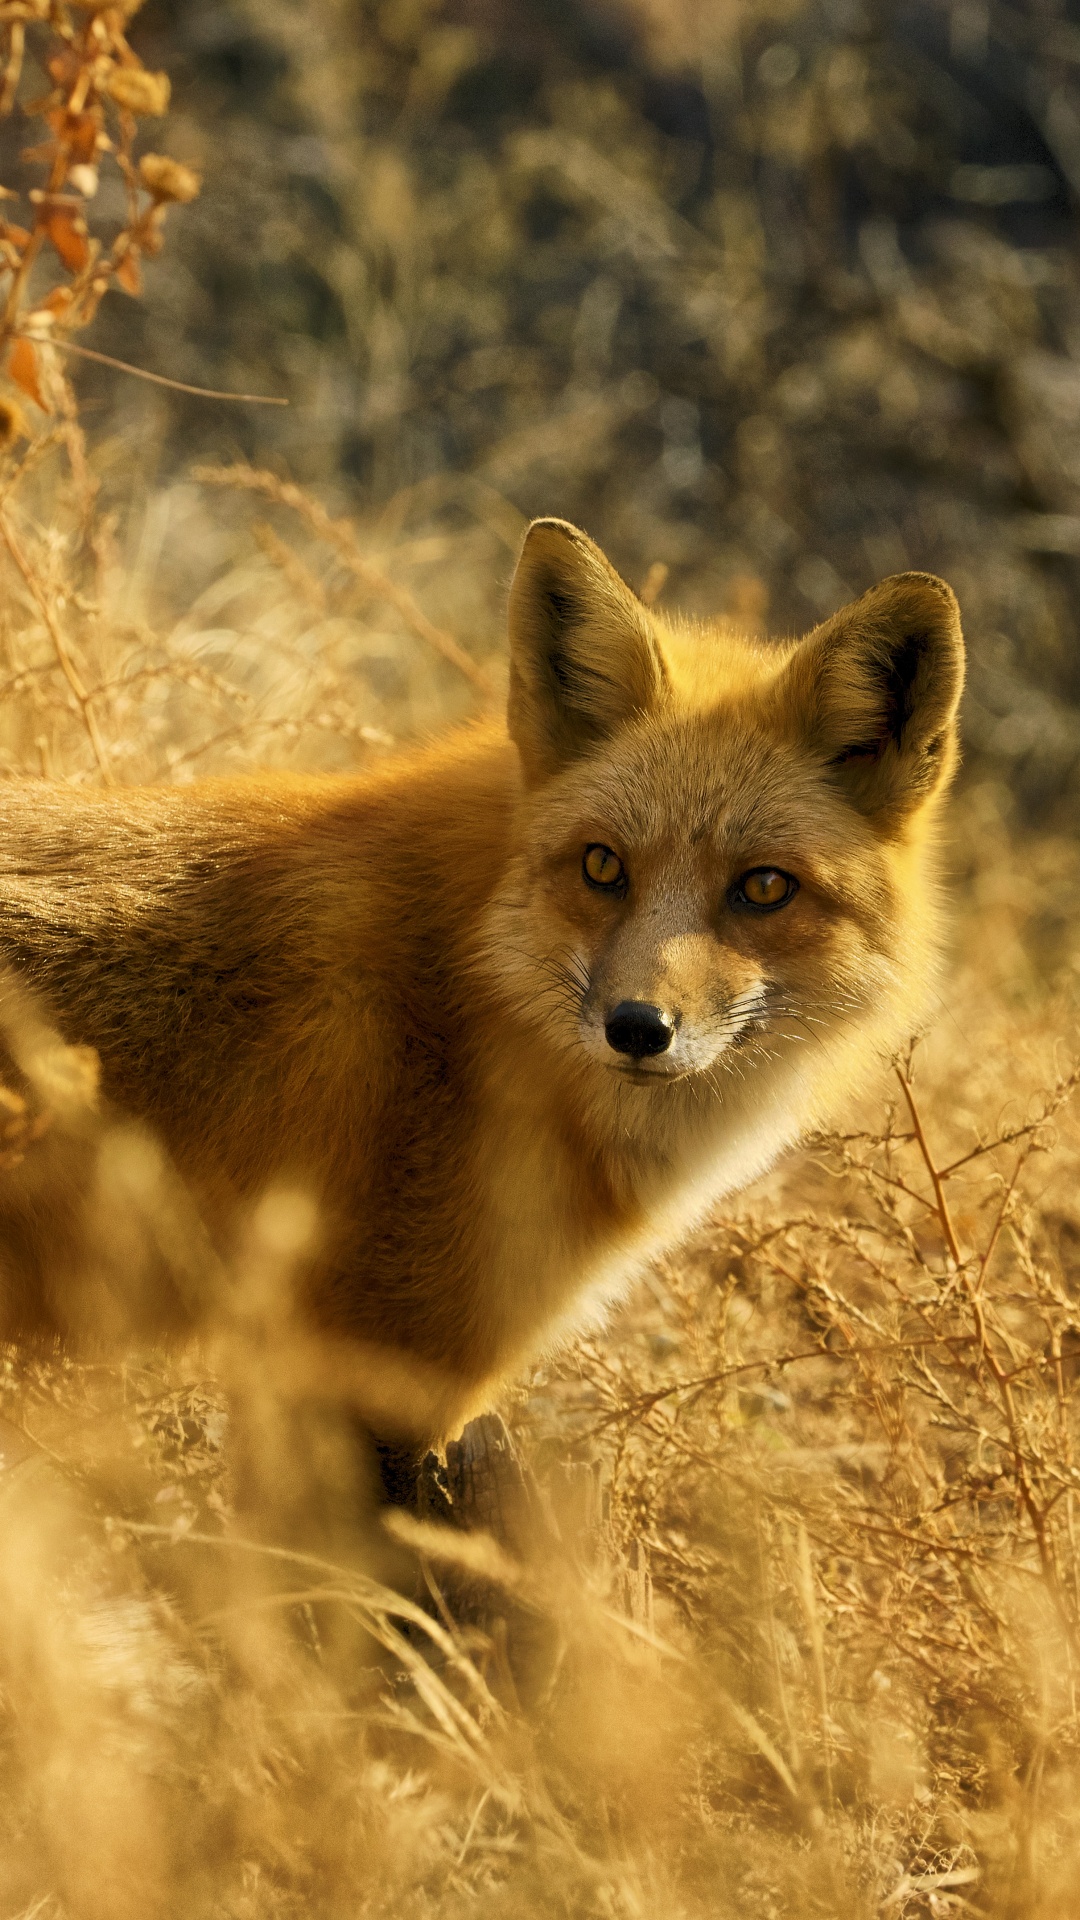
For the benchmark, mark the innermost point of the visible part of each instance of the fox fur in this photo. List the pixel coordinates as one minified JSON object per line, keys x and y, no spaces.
{"x":390,"y":991}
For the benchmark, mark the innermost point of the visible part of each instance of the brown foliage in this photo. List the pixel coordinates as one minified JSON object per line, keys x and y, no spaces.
{"x":98,"y":89}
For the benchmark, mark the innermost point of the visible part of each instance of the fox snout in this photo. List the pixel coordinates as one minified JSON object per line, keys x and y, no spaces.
{"x":665,"y":1007}
{"x":671,"y":1033}
{"x":639,"y":1029}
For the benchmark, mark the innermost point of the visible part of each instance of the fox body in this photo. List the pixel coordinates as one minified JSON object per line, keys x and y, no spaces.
{"x":513,"y":1009}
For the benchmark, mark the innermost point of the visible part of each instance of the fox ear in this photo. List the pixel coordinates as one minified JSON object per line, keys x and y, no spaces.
{"x":878,"y":686}
{"x":583,"y":656}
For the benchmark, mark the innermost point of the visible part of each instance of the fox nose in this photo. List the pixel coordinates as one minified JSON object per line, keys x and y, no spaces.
{"x":636,"y":1028}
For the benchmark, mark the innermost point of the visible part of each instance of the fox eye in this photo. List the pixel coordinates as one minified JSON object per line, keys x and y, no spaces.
{"x":602,"y":868}
{"x":764,"y":888}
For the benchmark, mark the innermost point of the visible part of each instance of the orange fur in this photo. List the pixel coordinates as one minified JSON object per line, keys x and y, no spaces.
{"x":389,"y":991}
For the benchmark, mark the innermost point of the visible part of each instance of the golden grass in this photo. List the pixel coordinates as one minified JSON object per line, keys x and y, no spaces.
{"x":798,"y":1634}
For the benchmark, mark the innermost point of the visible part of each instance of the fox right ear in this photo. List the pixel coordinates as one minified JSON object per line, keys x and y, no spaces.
{"x":877,"y":686}
{"x":583,"y":656}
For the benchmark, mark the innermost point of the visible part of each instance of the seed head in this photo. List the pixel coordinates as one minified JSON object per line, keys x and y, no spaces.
{"x":138,"y":90}
{"x":168,"y":179}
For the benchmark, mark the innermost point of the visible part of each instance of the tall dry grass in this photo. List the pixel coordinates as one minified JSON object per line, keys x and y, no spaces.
{"x":793,"y":1631}
{"x":804,"y":1609}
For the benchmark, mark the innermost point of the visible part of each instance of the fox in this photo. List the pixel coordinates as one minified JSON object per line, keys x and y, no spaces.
{"x":517,"y":1006}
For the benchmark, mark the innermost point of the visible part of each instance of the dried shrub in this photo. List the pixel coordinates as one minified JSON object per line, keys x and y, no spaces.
{"x":56,"y":270}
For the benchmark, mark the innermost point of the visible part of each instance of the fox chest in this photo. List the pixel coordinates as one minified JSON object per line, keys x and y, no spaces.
{"x":566,"y":1231}
{"x":555,"y":1234}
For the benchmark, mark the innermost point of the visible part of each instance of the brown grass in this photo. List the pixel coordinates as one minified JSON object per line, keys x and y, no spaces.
{"x":815,"y":1649}
{"x":799,"y":1635}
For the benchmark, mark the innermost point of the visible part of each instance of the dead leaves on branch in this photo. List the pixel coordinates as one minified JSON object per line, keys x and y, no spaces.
{"x":88,"y":118}
{"x":60,"y":219}
{"x":98,"y":91}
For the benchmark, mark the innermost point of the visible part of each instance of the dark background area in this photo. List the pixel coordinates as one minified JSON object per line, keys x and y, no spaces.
{"x":784,"y":297}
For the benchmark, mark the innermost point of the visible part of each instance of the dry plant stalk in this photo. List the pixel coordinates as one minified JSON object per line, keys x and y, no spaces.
{"x":340,"y":537}
{"x":55,"y":271}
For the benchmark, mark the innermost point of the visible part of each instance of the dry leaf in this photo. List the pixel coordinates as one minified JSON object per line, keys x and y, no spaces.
{"x":78,"y":132}
{"x":129,"y":273}
{"x":67,"y":231}
{"x":63,"y":68}
{"x":168,"y":179}
{"x":23,"y":369}
{"x":139,"y":91}
{"x":58,"y":301}
{"x":12,"y":422}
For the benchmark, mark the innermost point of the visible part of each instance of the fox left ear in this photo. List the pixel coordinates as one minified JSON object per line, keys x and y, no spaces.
{"x":583,"y":656}
{"x":878,"y":686}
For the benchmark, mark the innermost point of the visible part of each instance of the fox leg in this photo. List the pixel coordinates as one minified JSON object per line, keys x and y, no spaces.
{"x":412,"y":1477}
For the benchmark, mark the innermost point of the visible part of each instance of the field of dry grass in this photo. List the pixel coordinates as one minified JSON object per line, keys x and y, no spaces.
{"x":798,"y":1629}
{"x":791,"y":1623}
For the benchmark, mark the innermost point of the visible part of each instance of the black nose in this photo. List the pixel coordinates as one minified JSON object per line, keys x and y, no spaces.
{"x":638,"y":1029}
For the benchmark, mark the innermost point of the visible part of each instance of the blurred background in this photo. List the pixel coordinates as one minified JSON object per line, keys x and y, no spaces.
{"x":780,"y":297}
{"x":773,"y":297}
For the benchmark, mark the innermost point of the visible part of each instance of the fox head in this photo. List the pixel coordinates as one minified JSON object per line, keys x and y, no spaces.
{"x":719,"y":853}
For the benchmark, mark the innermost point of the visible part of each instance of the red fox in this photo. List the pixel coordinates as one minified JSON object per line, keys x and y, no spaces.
{"x":514,"y":1008}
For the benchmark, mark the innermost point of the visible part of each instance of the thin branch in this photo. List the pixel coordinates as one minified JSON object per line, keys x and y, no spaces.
{"x":943,"y":1213}
{"x":1002,"y":1216}
{"x":142,"y":373}
{"x":644,"y":1403}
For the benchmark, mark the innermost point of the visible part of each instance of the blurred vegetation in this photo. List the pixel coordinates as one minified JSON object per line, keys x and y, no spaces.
{"x":781,"y":296}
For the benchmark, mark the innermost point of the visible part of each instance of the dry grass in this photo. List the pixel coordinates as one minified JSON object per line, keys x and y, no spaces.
{"x":803,"y":1641}
{"x":819,"y":1655}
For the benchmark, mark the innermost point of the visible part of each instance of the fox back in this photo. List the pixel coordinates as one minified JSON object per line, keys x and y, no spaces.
{"x":510,"y":1012}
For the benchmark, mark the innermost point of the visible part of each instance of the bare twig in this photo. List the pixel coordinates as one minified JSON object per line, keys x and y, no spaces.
{"x":143,"y":373}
